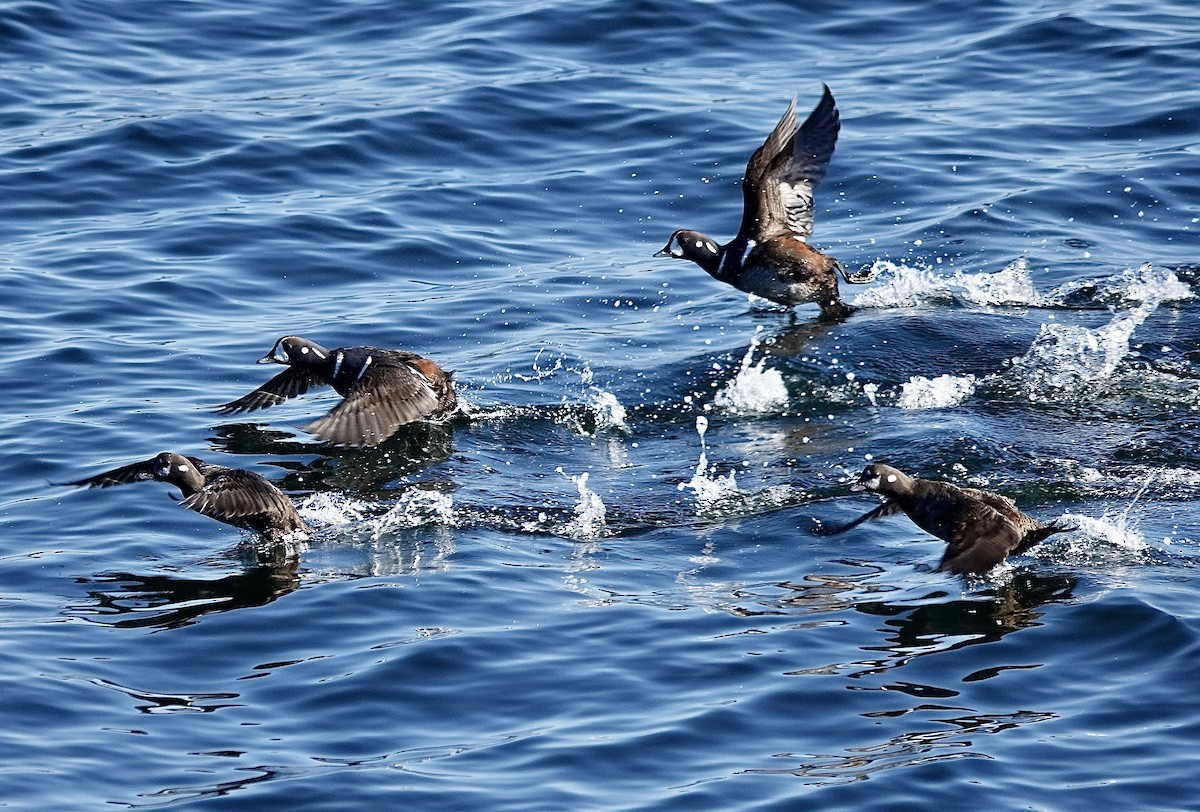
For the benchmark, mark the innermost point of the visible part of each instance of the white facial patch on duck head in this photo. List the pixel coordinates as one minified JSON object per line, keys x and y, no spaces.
{"x":891,"y":477}
{"x":183,"y":469}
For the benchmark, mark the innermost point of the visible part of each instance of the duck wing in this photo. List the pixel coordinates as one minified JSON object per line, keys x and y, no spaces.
{"x":233,"y":496}
{"x":287,"y":384}
{"x":888,"y":508}
{"x":784,"y":173}
{"x":134,"y":472}
{"x":385,"y":397}
{"x":979,"y":538}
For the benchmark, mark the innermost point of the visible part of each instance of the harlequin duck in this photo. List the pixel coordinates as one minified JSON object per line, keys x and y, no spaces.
{"x":382,"y":389}
{"x":769,"y":257}
{"x":981,"y":528}
{"x":231,"y":495}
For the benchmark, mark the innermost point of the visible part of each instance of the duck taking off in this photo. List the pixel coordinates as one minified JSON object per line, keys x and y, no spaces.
{"x":769,"y":256}
{"x":241,"y":498}
{"x":381,"y":389}
{"x":981,"y":528}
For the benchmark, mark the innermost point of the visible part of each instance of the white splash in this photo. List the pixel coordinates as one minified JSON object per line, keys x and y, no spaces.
{"x":906,"y":286}
{"x":708,"y":488}
{"x":417,"y":507}
{"x":1011,"y":286}
{"x":588,"y":522}
{"x":1072,"y":358}
{"x":1103,"y":537}
{"x":935,"y":393}
{"x":331,"y":509}
{"x":755,"y":389}
{"x":610,"y":414}
{"x":1112,"y":531}
{"x":1149,"y":286}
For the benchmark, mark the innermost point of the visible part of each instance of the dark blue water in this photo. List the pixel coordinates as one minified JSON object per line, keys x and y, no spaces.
{"x":583,"y":597}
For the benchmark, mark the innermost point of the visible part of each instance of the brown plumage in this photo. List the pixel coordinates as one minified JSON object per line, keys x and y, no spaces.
{"x":231,"y":495}
{"x":382,"y":389}
{"x":980,"y":528}
{"x":769,"y":257}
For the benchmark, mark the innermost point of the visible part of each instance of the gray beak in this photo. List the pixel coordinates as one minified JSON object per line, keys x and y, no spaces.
{"x":273,"y":358}
{"x":858,"y":486}
{"x":663,"y":252}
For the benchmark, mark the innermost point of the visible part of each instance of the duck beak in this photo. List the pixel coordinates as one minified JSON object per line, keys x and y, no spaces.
{"x":663,"y":252}
{"x":273,"y":358}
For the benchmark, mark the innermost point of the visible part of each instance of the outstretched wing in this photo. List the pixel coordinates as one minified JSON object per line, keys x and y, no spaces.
{"x":134,"y":472}
{"x":385,"y":398}
{"x":235,"y":495}
{"x":287,"y":384}
{"x":980,"y":538}
{"x":790,"y":176}
{"x":888,"y":508}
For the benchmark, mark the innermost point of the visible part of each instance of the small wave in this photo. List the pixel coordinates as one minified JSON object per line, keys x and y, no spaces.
{"x":934,"y":393}
{"x":755,"y":389}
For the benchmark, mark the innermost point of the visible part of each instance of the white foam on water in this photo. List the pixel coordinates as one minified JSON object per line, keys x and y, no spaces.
{"x":1149,"y":285}
{"x":755,"y":389}
{"x":610,"y":414}
{"x":1100,"y":539}
{"x":934,"y":393}
{"x":331,"y":509}
{"x":1012,"y":285}
{"x":416,"y":508}
{"x":708,"y":488}
{"x":905,"y":286}
{"x":1069,"y":358}
{"x":588,"y":522}
{"x":1114,"y":531}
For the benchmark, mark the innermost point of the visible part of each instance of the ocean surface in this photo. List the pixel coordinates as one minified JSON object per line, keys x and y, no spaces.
{"x":599,"y":590}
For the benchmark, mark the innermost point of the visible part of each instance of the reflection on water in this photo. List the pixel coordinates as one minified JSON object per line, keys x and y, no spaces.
{"x":131,"y":601}
{"x":955,"y":737}
{"x":916,"y":627}
{"x":367,"y":472}
{"x":932,"y":623}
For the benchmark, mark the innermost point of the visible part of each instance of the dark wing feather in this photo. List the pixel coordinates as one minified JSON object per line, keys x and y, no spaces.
{"x":753,"y":193}
{"x":980,"y":538}
{"x":385,"y":398}
{"x":888,"y":508}
{"x":287,"y":384}
{"x":1040,"y":533}
{"x":787,"y":187}
{"x":134,"y":472}
{"x":235,"y":495}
